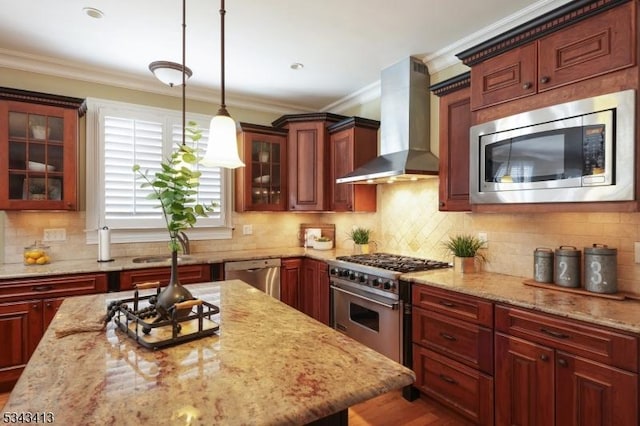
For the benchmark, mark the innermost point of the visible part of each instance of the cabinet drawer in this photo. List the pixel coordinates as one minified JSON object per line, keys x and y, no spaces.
{"x":64,"y":285}
{"x":456,"y":385}
{"x":592,"y":342}
{"x":467,"y":343}
{"x":187,"y":274}
{"x":456,"y":305}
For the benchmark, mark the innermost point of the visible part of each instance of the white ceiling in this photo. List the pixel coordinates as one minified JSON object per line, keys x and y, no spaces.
{"x":343,"y":44}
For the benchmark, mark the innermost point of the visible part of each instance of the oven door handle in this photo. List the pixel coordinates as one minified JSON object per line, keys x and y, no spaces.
{"x":386,"y":305}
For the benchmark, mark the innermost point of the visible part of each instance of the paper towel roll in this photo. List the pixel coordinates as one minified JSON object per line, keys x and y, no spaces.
{"x":104,"y":245}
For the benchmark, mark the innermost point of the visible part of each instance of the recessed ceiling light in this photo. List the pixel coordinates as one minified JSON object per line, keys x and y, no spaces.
{"x":296,"y":66}
{"x":93,"y":12}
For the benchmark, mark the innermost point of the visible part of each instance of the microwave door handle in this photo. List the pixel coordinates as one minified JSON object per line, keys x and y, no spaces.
{"x":386,"y":305}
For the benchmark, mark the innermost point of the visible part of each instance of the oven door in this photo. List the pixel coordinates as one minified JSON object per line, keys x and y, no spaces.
{"x":370,"y":319}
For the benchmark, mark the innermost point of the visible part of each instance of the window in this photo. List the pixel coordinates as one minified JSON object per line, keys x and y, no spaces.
{"x":123,"y":135}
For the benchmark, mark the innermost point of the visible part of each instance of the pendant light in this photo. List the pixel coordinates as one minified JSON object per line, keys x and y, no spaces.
{"x":222,"y":148}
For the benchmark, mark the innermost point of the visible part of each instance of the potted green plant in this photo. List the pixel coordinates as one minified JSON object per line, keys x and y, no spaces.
{"x":361,"y":238}
{"x":465,"y":249}
{"x":174,"y":187}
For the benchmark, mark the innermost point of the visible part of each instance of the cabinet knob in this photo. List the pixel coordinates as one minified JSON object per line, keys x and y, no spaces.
{"x":563,"y":362}
{"x":527,"y":86}
{"x":544,"y":80}
{"x":441,"y":203}
{"x":544,"y":357}
{"x":34,"y":306}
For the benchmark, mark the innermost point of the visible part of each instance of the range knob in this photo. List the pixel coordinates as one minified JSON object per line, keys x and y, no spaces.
{"x":343,"y":273}
{"x":377,"y":282}
{"x":334,"y":271}
{"x":388,"y":285}
{"x":363,"y":278}
{"x":352,"y":275}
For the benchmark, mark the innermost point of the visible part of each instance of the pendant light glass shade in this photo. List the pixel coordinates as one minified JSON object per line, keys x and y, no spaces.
{"x":222,"y":148}
{"x":170,"y":73}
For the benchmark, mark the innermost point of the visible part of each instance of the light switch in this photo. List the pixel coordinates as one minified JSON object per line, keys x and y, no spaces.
{"x":247,"y":229}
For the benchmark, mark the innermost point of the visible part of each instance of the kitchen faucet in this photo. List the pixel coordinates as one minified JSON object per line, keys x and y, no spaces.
{"x":184,"y":242}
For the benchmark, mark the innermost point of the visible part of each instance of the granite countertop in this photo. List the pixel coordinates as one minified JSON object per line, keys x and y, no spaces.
{"x":85,"y":266}
{"x":268,"y":364}
{"x":619,"y":314}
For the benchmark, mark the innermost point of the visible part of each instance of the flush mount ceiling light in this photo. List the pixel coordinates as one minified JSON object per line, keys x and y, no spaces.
{"x":222,"y":148}
{"x":170,"y":73}
{"x":296,"y":66}
{"x":93,"y":12}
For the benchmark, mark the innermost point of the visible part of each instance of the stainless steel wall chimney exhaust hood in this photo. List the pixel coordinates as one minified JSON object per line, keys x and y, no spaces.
{"x":404,"y":128}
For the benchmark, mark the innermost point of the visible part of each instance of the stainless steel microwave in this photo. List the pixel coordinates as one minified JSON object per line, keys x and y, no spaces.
{"x":580,"y":151}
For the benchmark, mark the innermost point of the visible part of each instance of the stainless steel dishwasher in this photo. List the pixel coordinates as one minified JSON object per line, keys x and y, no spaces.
{"x":263,"y":274}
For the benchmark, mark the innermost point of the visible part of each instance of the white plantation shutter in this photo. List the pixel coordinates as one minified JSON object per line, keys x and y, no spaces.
{"x":129,"y":142}
{"x":128,"y":134}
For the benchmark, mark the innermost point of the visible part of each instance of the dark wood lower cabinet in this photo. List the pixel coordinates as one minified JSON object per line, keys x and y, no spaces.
{"x":187,"y":274}
{"x":589,"y":393}
{"x":462,"y":388}
{"x":27,"y":307}
{"x":304,"y":285}
{"x":524,"y":382}
{"x":540,"y":386}
{"x":290,"y":276}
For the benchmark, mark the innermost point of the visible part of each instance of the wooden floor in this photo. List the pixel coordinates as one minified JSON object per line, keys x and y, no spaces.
{"x":388,"y":409}
{"x":3,"y":400}
{"x":391,"y":409}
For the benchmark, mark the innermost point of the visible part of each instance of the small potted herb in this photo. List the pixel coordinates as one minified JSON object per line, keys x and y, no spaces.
{"x":361,"y":237}
{"x":465,"y":249}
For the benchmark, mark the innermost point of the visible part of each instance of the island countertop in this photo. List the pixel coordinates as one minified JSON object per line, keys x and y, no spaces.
{"x":268,"y":364}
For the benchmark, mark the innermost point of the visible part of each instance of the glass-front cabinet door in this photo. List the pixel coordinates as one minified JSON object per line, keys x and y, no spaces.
{"x":260,"y":184}
{"x":39,"y":161}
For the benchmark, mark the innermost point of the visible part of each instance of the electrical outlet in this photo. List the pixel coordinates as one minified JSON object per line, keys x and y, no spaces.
{"x":482,"y":236}
{"x":636,"y":252}
{"x":56,"y":234}
{"x":247,"y":229}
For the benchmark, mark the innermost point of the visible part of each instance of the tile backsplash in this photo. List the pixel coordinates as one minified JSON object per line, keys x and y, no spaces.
{"x":407,"y":222}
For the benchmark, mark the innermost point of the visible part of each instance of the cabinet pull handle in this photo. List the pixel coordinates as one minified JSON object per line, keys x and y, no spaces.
{"x":448,"y":379}
{"x":563,"y":362}
{"x":544,"y":80}
{"x":448,"y":337}
{"x":527,"y":86}
{"x":42,"y":288}
{"x":447,"y":304}
{"x":555,"y":334}
{"x":544,"y":357}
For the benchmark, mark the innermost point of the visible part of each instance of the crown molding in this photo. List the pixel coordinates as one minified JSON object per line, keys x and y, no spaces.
{"x":445,"y":58}
{"x":53,"y":67}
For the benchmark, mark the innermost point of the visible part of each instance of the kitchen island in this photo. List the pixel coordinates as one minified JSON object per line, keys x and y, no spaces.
{"x":267,"y":365}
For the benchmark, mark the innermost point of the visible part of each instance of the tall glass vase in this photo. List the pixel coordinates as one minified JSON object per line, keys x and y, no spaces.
{"x":173,"y":293}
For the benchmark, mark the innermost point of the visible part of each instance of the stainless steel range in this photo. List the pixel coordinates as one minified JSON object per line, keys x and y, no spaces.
{"x":371,"y":304}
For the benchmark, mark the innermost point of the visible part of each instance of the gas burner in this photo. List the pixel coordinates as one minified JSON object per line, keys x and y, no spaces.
{"x":396,"y":263}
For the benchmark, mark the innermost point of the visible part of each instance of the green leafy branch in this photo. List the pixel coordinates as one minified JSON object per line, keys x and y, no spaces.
{"x":175,"y":187}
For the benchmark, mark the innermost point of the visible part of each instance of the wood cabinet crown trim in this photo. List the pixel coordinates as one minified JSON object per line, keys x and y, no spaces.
{"x":532,"y":30}
{"x":313,"y":116}
{"x":250,"y":127}
{"x":18,"y":95}
{"x":353,"y":122}
{"x":452,"y":84}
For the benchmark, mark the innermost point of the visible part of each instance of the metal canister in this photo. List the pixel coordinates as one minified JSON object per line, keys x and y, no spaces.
{"x":543,"y":265}
{"x":566,"y":272}
{"x":600,"y":269}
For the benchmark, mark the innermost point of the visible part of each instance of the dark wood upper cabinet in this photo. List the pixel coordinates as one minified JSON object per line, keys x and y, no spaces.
{"x":454,"y":123}
{"x":553,"y":51}
{"x":39,"y":144}
{"x":353,"y":142}
{"x":262,"y":184}
{"x":308,"y":159}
